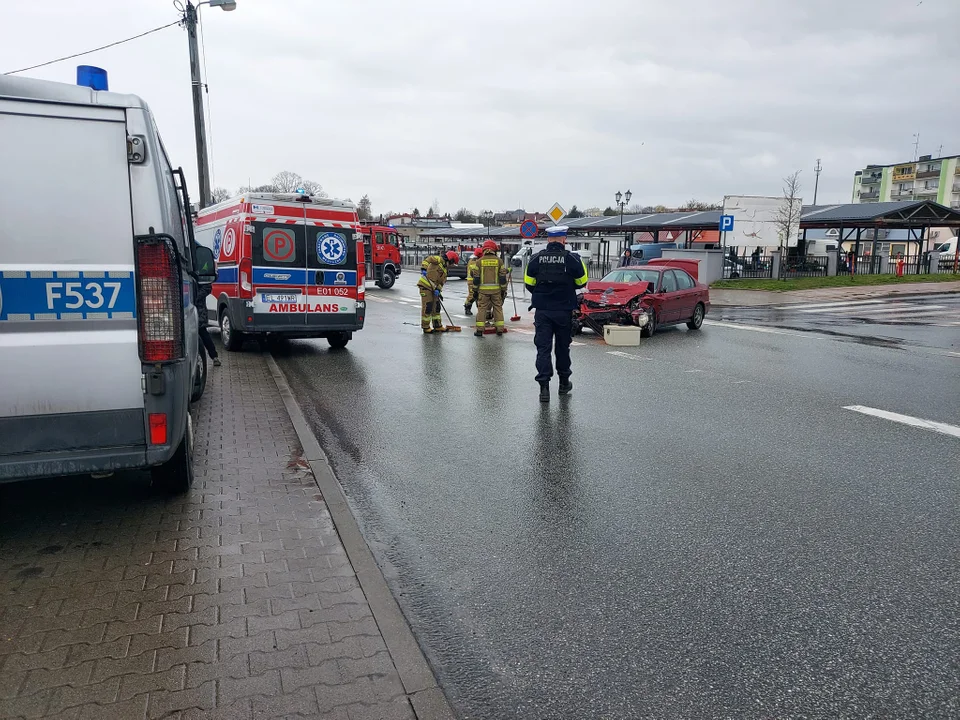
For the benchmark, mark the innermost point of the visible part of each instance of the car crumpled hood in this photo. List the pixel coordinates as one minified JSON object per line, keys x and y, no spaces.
{"x":611,"y":293}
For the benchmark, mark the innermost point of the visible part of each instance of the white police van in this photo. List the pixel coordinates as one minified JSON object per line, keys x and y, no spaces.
{"x":99,"y":349}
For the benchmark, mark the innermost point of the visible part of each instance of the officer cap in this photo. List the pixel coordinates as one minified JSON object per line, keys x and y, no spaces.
{"x":557,"y":231}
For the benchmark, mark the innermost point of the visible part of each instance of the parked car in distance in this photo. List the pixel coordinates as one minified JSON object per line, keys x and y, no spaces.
{"x":648,"y":296}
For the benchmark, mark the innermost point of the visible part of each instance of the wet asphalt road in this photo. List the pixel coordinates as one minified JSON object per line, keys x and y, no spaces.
{"x":700,"y":530}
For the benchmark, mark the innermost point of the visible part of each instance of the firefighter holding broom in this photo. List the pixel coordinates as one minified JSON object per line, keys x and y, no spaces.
{"x":490,"y":283}
{"x":433,"y":275}
{"x":471,"y":288}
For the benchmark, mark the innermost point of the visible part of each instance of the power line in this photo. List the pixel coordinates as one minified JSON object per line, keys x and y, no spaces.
{"x":87,"y":52}
{"x":206,"y":88}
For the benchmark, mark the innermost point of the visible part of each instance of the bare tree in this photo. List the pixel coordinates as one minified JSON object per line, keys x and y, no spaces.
{"x":787,"y":219}
{"x":694,"y":204}
{"x":220,"y":194}
{"x":286,"y":181}
{"x":436,"y":207}
{"x":465,"y":216}
{"x":634,"y":209}
{"x":365,"y":208}
{"x":314,"y":188}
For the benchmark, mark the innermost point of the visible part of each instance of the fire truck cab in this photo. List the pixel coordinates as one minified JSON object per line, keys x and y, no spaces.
{"x":289,"y":265}
{"x":381,"y":244}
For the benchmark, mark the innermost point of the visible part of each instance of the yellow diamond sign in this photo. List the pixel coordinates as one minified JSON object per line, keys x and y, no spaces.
{"x":556,"y":213}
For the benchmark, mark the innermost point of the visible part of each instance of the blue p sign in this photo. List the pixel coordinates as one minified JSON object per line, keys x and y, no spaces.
{"x":726,"y":223}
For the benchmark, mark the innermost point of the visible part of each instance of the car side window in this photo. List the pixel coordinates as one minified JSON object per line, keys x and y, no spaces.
{"x":684,"y":281}
{"x":669,"y":282}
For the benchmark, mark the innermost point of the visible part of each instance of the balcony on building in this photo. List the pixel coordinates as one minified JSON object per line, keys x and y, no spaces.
{"x":903,"y":194}
{"x":867,"y":195}
{"x":927,"y":190}
{"x":870,"y":178}
{"x":931,"y":173}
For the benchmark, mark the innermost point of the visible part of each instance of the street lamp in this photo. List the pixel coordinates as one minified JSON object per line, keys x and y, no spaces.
{"x":623,"y":199}
{"x":190,"y":22}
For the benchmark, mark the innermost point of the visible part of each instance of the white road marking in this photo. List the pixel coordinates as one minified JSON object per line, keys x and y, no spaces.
{"x":628,"y":356}
{"x":854,"y":310}
{"x":801,"y":306}
{"x":754,"y":328}
{"x":888,"y":310}
{"x":522,"y":331}
{"x":931,"y":425}
{"x":378,"y":299}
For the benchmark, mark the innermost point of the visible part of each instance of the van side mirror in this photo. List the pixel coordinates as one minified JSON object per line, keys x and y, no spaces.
{"x":205,"y":265}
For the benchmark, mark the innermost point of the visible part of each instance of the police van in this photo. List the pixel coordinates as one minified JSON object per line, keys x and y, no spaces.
{"x":289,"y":265}
{"x":99,"y":352}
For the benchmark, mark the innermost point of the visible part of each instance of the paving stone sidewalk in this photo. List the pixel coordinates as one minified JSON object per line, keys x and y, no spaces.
{"x":236,"y":601}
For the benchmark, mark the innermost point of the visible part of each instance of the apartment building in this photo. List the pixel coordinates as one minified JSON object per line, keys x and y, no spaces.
{"x":929,"y":178}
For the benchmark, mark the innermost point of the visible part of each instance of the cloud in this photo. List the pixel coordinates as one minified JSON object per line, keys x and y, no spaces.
{"x":487,"y":104}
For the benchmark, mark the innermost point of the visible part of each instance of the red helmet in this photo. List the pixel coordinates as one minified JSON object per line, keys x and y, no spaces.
{"x":453,"y":257}
{"x":490,"y":245}
{"x":478,"y":252}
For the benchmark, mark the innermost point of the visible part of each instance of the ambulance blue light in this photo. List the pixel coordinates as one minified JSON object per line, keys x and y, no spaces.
{"x":92,"y":77}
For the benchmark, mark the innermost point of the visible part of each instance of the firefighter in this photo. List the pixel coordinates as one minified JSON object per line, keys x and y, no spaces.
{"x":490,"y":280}
{"x":552,"y":277}
{"x":471,"y":290}
{"x":433,"y":274}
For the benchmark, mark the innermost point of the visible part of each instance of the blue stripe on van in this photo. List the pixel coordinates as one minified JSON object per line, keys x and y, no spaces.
{"x":228,"y":274}
{"x":67,"y":295}
{"x":280,"y":277}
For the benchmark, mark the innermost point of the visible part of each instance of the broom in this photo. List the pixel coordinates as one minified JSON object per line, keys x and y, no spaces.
{"x":516,"y":315}
{"x":451,"y":327}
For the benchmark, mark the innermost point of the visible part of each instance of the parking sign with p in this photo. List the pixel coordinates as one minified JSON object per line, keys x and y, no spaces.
{"x":726,"y":223}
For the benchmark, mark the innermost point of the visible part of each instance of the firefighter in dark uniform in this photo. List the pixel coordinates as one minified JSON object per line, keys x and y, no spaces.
{"x":553,"y":277}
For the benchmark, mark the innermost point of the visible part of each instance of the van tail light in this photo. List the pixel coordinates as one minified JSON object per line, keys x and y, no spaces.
{"x":361,"y":267}
{"x":246,"y":278}
{"x":159,"y":300}
{"x":158,"y":428}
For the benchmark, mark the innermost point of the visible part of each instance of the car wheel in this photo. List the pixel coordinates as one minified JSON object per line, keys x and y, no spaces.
{"x":232,"y":339}
{"x":339,"y":340}
{"x":387,"y":279}
{"x":175,"y":476}
{"x":697,"y":320}
{"x":650,"y":328}
{"x":200,"y":377}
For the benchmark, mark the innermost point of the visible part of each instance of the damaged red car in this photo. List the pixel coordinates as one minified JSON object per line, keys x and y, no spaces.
{"x":648,"y":296}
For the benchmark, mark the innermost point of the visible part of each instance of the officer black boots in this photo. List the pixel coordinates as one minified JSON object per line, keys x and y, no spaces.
{"x":544,"y":392}
{"x":565,"y":386}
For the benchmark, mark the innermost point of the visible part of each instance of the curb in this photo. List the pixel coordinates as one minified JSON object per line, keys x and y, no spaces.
{"x":418,"y":680}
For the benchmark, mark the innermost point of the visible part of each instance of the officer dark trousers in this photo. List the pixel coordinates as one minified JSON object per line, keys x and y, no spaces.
{"x":553,"y":332}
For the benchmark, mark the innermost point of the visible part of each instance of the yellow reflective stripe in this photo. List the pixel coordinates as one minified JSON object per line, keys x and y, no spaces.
{"x":582,"y":280}
{"x":527,"y":280}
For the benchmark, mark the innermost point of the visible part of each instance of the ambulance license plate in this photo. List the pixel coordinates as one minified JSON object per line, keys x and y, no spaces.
{"x":278,"y":298}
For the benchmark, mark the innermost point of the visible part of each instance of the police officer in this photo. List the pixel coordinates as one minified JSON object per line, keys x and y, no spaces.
{"x":471,"y":288}
{"x":552,"y":277}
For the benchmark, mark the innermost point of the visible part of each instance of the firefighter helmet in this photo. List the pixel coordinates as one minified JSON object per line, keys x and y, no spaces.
{"x":453,"y":257}
{"x":490,"y":245}
{"x":478,"y":252}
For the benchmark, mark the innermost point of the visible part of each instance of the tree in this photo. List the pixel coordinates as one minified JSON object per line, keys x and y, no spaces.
{"x":634,"y":209}
{"x":609,"y":211}
{"x":660,"y":209}
{"x":787,"y":219}
{"x":575,"y":213}
{"x":313,"y":188}
{"x":694,"y":204}
{"x":416,"y":212}
{"x":365,"y":208}
{"x":218,"y":195}
{"x":258,"y":188}
{"x":465,"y":216}
{"x":286,"y":181}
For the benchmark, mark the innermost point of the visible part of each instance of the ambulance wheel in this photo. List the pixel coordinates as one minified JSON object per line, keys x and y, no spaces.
{"x":339,"y":340}
{"x":175,"y":476}
{"x":232,"y":339}
{"x":387,"y":279}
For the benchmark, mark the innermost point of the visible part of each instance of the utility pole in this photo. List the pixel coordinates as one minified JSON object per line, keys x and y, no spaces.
{"x":916,"y":146}
{"x":199,"y":127}
{"x":816,"y":183}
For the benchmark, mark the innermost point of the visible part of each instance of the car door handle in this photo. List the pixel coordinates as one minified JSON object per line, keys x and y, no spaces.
{"x":318,"y":278}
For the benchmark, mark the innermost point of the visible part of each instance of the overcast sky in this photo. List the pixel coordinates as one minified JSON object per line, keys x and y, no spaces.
{"x":491,"y":104}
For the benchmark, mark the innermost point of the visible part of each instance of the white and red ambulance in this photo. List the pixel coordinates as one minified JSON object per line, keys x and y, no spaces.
{"x":288,"y":265}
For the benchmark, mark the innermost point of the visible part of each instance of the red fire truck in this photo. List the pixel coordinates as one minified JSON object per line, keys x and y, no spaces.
{"x":381,"y":244}
{"x":287,"y":265}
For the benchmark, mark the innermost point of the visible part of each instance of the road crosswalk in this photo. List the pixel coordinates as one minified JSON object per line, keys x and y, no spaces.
{"x":939,"y":310}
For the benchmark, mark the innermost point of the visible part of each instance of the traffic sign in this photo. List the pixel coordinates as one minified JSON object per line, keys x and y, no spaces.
{"x":529,"y":229}
{"x":726,"y":223}
{"x":556,"y":213}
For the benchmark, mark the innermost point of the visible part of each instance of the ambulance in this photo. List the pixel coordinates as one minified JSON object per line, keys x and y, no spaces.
{"x":288,"y":265}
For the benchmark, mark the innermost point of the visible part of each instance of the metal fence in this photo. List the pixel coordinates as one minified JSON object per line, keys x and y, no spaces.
{"x":800,"y":267}
{"x":597,"y":270}
{"x":747,"y":266}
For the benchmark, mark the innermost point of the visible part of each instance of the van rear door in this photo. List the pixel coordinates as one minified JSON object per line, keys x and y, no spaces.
{"x":332,"y":271}
{"x":279,"y":275}
{"x":68,"y":333}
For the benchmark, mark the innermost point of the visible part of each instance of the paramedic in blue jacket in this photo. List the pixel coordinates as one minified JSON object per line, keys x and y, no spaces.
{"x":553,"y":276}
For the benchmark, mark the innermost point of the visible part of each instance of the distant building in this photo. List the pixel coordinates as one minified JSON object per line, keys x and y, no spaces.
{"x":410,"y":226}
{"x":926,"y":179}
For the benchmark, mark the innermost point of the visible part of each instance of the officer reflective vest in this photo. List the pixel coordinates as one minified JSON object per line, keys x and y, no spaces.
{"x":433,"y":273}
{"x":490,"y":272}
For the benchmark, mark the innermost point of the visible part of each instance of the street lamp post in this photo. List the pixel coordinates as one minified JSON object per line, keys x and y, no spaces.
{"x":190,"y":22}
{"x":622,"y":200}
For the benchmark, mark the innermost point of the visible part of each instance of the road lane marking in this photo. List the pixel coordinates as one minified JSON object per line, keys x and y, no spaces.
{"x":800,"y":306}
{"x":931,"y":425}
{"x":771,"y":331}
{"x":378,"y":299}
{"x":628,"y":356}
{"x":862,"y":310}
